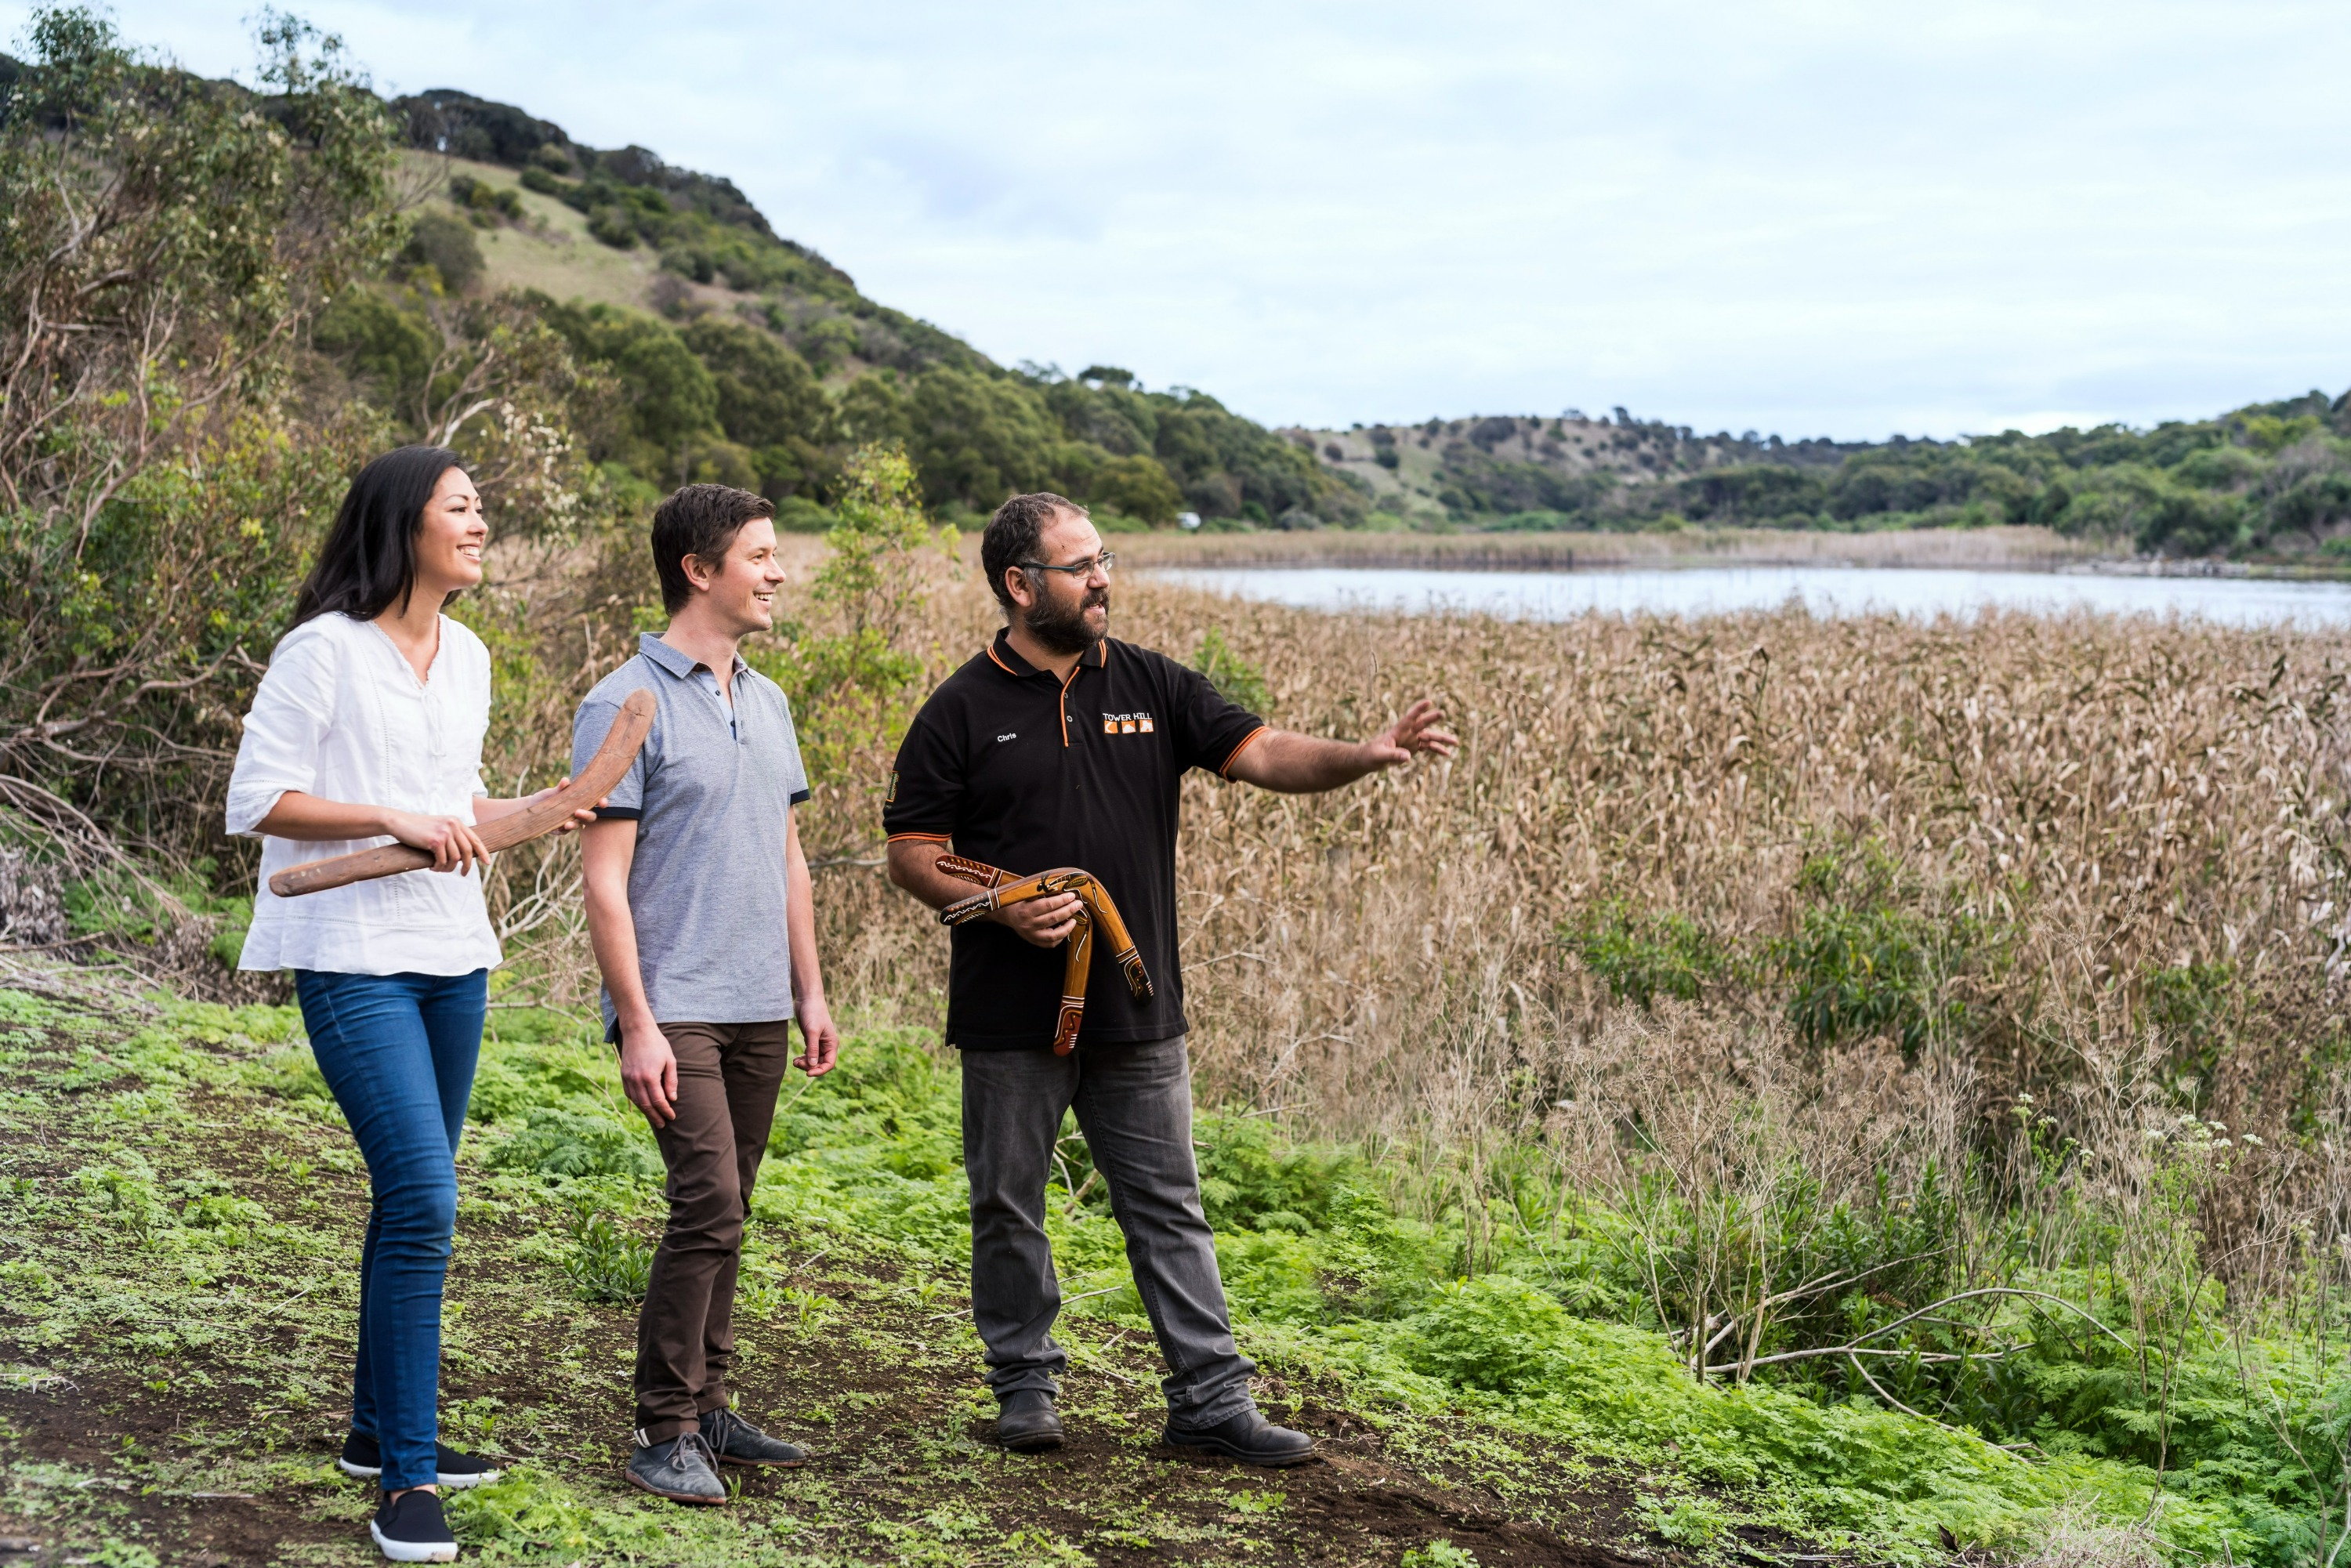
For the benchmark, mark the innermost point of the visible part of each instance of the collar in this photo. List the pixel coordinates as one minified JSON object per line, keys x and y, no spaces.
{"x":677,"y":663}
{"x":1012,"y":664}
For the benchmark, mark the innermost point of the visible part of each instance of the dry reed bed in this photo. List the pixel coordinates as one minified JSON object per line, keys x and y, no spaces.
{"x":2124,"y":795}
{"x":2116,"y":796}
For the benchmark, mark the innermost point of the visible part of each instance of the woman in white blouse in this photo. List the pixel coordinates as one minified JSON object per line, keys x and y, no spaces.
{"x":366,"y":729}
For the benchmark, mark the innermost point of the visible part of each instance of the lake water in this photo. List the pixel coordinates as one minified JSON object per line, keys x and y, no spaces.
{"x":1827,"y":591}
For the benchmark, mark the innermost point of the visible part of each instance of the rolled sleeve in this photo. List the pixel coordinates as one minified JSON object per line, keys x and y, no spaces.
{"x":626,"y":800}
{"x":283,"y":733}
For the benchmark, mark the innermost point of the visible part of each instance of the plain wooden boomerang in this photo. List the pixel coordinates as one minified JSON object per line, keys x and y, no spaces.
{"x":596,"y":780}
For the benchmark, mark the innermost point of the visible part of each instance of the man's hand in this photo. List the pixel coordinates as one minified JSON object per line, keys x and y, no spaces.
{"x":820,"y":1040}
{"x":1415,"y":733}
{"x":1045,"y":922}
{"x":649,"y":1072}
{"x":1302,"y":765}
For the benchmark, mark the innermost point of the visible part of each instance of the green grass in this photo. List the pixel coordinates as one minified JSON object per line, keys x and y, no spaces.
{"x":176,"y":1207}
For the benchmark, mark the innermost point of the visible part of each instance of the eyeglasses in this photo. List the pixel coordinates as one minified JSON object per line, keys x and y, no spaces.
{"x":1079,"y":571}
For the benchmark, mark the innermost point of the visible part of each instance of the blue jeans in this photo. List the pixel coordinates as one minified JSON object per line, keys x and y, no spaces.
{"x":399,"y":1050}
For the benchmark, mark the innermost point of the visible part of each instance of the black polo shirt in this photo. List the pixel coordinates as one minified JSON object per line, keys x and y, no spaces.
{"x":1015,"y":767}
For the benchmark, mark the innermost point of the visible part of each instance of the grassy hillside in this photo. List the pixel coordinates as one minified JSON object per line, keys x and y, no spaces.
{"x":749,"y":358}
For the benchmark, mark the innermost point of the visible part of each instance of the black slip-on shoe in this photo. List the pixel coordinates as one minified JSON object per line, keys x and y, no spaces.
{"x":737,"y":1442}
{"x":410,"y":1528}
{"x":681,"y":1468}
{"x":364,"y":1460}
{"x":1027,"y":1424}
{"x":1248,"y":1438}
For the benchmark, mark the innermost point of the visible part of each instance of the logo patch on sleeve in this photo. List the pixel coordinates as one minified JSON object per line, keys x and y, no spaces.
{"x":890,"y":791}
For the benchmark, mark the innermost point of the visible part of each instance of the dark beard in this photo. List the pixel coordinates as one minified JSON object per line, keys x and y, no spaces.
{"x":1063,"y":631}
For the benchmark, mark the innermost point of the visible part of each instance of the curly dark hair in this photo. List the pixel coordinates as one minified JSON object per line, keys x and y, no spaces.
{"x":701,"y":521}
{"x":1011,"y":536}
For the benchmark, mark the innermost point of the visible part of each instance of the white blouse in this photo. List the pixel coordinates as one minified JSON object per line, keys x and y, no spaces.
{"x":341,"y":714}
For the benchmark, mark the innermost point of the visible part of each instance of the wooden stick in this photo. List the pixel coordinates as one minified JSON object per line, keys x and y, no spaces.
{"x":596,"y":780}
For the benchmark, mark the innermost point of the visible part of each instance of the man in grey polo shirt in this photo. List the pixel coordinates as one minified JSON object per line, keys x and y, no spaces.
{"x":698,"y":909}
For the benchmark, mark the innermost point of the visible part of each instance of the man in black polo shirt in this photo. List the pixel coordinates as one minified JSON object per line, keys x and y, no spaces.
{"x":1059,"y":747}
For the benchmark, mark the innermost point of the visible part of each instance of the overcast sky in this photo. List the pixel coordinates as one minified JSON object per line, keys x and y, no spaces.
{"x":1813,"y":218}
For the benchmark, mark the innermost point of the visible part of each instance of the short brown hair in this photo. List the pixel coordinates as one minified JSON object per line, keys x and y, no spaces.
{"x":701,"y":521}
{"x":1012,"y":533}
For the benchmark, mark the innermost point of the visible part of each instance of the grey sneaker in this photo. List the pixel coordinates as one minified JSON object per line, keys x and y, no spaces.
{"x":681,"y":1468}
{"x":1026,"y":1421}
{"x":737,"y":1442}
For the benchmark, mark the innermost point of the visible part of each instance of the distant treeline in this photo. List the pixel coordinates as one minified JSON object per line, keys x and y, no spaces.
{"x":2270,"y":477}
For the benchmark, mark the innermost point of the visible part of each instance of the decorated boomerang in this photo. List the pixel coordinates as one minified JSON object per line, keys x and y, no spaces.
{"x":627,"y":733}
{"x":1094,"y":907}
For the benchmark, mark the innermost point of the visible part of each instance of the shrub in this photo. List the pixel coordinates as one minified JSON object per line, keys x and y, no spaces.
{"x":1641,"y":956}
{"x":1231,"y":673}
{"x":447,"y":246}
{"x":606,"y":1263}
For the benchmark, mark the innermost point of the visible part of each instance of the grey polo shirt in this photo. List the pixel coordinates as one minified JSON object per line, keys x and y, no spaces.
{"x":712,"y":794}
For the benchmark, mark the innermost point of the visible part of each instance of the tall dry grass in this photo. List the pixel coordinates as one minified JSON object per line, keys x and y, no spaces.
{"x":2122,"y":810}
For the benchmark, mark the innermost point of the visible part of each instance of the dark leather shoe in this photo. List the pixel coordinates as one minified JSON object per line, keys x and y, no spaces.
{"x":1248,"y":1438}
{"x":737,"y":1442}
{"x":1026,"y":1424}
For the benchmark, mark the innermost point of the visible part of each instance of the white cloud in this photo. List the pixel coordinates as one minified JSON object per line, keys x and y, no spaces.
{"x":1815,"y":217}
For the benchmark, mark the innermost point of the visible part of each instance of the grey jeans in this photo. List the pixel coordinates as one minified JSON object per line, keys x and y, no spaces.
{"x":1134,"y":1104}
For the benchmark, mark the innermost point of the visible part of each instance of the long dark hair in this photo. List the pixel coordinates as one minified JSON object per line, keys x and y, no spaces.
{"x":370,"y":557}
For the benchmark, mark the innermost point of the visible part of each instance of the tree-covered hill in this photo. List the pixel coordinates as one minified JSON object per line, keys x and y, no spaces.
{"x":2268,"y":480}
{"x":733,"y":354}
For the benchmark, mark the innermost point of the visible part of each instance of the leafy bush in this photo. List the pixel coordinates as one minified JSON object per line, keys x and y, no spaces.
{"x":1231,"y":673}
{"x":560,"y":1143}
{"x":153,"y":523}
{"x":1641,"y":956}
{"x":1865,"y":962}
{"x":447,"y":246}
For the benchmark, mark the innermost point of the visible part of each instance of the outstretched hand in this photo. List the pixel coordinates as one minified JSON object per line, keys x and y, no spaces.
{"x":1413,"y":733}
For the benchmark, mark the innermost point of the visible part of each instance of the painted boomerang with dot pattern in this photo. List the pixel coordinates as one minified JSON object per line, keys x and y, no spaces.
{"x":1095,"y":909}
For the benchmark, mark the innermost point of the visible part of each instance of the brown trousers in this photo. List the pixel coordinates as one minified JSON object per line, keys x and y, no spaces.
{"x":727,"y":1074}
